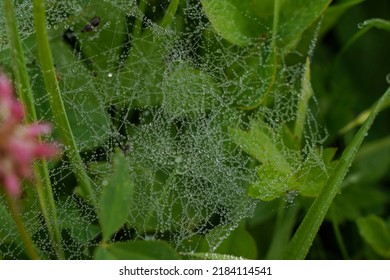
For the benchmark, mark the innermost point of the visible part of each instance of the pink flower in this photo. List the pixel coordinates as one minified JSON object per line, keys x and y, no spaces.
{"x":19,"y":143}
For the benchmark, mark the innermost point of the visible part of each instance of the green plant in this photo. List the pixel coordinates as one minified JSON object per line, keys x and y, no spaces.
{"x":192,"y":127}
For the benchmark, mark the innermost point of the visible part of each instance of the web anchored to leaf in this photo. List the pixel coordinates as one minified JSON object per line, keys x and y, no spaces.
{"x":198,"y":124}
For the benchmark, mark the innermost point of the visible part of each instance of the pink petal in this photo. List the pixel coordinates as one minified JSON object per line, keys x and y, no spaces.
{"x":17,"y":111}
{"x":25,"y":171}
{"x":12,"y":185}
{"x":5,"y":88}
{"x":44,"y":150}
{"x":36,"y":129}
{"x":19,"y":143}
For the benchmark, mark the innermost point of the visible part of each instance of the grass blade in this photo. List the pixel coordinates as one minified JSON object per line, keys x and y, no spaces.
{"x":303,"y":238}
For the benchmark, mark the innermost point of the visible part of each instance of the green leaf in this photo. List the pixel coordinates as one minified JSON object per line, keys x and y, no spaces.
{"x":272,"y":183}
{"x":358,"y":200}
{"x":233,"y":20}
{"x":76,"y":219}
{"x":372,"y":162}
{"x":259,"y":142}
{"x":240,"y":243}
{"x":314,"y":177}
{"x":212,"y":256}
{"x":265,"y":76}
{"x":295,"y":17}
{"x":103,"y":44}
{"x":102,"y":254}
{"x":376,"y":233}
{"x":189,"y":92}
{"x":275,"y":173}
{"x":265,"y":210}
{"x":142,"y":73}
{"x":136,"y":250}
{"x":361,"y":193}
{"x":264,"y":8}
{"x":116,"y":197}
{"x":282,"y":167}
{"x":87,"y":117}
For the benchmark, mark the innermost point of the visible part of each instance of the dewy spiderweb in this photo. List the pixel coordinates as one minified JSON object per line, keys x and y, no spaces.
{"x":166,"y":99}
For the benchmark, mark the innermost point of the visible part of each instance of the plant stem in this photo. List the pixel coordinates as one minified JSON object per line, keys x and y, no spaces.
{"x":365,"y":26}
{"x":138,"y":22}
{"x":285,"y":222}
{"x":56,"y":103}
{"x":275,"y":24}
{"x":26,"y":238}
{"x":170,"y":13}
{"x":44,"y":188}
{"x":303,"y":238}
{"x":338,"y":235}
{"x":303,"y":103}
{"x":22,"y":82}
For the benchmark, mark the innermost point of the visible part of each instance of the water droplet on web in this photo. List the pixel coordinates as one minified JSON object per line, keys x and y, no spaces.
{"x":290,"y":196}
{"x":109,"y":74}
{"x":361,"y":24}
{"x":105,"y":183}
{"x":146,"y":113}
{"x":181,"y":167}
{"x":178,"y":159}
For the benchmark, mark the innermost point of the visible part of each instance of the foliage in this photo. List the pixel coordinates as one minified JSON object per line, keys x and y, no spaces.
{"x":202,"y":129}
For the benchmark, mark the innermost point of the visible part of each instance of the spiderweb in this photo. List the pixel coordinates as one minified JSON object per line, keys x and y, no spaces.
{"x":167,"y":98}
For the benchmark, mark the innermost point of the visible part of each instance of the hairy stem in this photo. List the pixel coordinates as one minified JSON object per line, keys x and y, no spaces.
{"x":29,"y":245}
{"x":56,"y":103}
{"x":44,"y":188}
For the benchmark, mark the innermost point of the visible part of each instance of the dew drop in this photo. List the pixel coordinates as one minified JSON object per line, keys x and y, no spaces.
{"x":181,"y":168}
{"x":178,"y":159}
{"x":146,"y":113}
{"x":109,"y":74}
{"x":105,"y":183}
